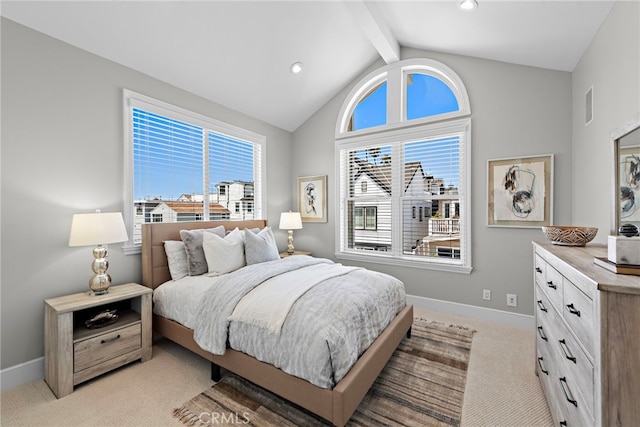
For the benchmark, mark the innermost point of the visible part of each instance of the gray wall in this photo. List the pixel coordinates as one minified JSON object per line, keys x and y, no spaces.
{"x":61,"y":109}
{"x":62,"y":153}
{"x":516,"y":111}
{"x":612,"y":66}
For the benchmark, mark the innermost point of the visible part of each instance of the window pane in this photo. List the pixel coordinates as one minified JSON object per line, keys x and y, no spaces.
{"x":167,"y":157}
{"x":370,"y":172}
{"x":371,"y":110}
{"x":432,"y":166}
{"x":428,"y":96}
{"x":231,"y":177}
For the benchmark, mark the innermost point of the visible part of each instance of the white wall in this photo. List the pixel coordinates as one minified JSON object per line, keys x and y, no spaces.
{"x":62,"y":153}
{"x":611,"y":66}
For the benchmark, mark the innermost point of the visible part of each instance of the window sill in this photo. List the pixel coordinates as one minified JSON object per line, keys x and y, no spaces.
{"x":405,"y":262}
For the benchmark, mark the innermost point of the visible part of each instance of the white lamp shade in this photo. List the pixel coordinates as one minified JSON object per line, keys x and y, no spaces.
{"x":290,"y":221}
{"x":97,"y":229}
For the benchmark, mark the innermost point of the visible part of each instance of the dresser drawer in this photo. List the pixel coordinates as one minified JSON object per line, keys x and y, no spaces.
{"x":540,"y":269}
{"x":553,"y":286}
{"x":578,"y":313}
{"x":576,"y":366}
{"x":571,"y":407}
{"x":104,"y":347}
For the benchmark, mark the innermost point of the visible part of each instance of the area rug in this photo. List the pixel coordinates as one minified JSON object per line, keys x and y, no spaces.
{"x":422,"y":385}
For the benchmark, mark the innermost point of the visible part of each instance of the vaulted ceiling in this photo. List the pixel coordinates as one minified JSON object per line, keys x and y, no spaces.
{"x":238,"y":53}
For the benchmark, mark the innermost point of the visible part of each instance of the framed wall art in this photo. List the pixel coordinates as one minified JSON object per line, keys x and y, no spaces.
{"x":520,"y":191}
{"x":312,"y":198}
{"x":629,"y":181}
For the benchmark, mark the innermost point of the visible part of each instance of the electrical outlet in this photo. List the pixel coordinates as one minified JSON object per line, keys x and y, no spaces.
{"x":512,"y":300}
{"x":486,"y":294}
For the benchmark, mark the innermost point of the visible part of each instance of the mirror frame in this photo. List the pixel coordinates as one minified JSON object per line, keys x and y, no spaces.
{"x":616,"y":136}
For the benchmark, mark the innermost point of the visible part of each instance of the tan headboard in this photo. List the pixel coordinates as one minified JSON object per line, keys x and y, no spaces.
{"x":155,"y":269}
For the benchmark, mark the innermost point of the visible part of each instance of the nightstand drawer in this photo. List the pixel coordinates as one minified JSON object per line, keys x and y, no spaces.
{"x":104,"y":347}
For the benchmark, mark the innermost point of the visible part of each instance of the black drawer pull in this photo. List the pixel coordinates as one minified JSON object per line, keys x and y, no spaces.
{"x":541,"y":306}
{"x":563,"y":423}
{"x":551,"y":285}
{"x":567,"y":392}
{"x":109,"y":339}
{"x":566,"y":351}
{"x":541,"y":333}
{"x":538,"y":270}
{"x":542,"y":367}
{"x":573,"y":310}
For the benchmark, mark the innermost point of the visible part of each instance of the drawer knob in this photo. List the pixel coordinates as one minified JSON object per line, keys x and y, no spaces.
{"x":567,"y":392}
{"x":108,"y":340}
{"x":566,"y":351}
{"x":538,"y":270}
{"x":573,"y":310}
{"x":551,"y":285}
{"x":540,"y":359}
{"x":541,"y":333}
{"x":541,"y":305}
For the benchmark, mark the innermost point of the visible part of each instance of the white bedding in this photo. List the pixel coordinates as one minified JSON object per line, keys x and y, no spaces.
{"x":179,"y":299}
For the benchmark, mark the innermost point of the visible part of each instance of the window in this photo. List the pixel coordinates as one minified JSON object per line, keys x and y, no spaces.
{"x":182,"y":166}
{"x":403,"y":181}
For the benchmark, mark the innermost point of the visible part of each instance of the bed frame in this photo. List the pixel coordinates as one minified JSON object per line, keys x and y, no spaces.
{"x":336,"y":405}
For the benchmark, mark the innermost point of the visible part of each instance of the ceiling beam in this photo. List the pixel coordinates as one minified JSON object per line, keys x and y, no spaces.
{"x":372,"y":23}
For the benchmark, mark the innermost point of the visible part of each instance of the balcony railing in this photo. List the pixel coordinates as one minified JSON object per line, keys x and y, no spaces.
{"x":445,"y":226}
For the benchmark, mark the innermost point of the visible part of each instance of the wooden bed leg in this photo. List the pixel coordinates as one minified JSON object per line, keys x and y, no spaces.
{"x":409,"y":332}
{"x":215,"y":372}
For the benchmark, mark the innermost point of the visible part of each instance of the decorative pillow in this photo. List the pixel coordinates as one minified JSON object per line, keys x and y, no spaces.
{"x":192,"y":239}
{"x":260,"y":247}
{"x":177,"y":259}
{"x":223,"y":255}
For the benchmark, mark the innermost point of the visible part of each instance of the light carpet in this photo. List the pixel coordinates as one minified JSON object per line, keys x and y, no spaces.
{"x":423,"y":385}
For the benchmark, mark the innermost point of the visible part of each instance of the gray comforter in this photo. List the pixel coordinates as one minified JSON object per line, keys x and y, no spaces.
{"x":327,"y":329}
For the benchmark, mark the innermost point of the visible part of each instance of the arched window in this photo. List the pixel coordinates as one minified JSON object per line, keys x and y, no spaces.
{"x":402,"y":150}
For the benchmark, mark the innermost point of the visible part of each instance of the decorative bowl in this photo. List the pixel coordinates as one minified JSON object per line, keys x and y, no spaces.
{"x":568,"y":235}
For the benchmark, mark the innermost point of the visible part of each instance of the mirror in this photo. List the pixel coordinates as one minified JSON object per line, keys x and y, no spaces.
{"x":626,"y":179}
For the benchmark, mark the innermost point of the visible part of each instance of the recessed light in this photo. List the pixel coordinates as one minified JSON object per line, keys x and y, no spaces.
{"x":468,"y":4}
{"x":296,"y":67}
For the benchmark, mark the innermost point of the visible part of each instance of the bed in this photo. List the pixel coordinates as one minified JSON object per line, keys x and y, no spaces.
{"x":335,"y":404}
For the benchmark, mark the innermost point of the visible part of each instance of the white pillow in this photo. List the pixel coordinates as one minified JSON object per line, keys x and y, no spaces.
{"x":223,"y":255}
{"x":260,"y":247}
{"x":176,"y":258}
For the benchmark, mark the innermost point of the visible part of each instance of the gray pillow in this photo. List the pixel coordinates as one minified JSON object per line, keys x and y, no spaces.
{"x":192,"y":239}
{"x":260,"y":247}
{"x":176,"y":258}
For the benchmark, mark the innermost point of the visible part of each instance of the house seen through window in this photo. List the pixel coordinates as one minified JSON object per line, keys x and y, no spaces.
{"x":402,"y":140}
{"x":188,"y":167}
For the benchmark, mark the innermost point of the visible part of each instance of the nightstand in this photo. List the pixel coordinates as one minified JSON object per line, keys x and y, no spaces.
{"x":75,"y":353}
{"x":286,"y":254}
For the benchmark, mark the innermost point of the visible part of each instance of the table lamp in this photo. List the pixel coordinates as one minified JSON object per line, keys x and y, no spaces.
{"x":98,"y":229}
{"x":290,"y":221}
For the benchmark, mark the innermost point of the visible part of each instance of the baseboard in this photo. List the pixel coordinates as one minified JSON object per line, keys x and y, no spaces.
{"x":475,"y":312}
{"x":21,"y":374}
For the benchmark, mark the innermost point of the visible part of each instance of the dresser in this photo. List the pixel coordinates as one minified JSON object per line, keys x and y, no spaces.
{"x":587,"y":337}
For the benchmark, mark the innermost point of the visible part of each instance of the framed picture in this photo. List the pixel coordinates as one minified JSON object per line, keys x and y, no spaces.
{"x":629,"y":179}
{"x":312,"y":198}
{"x":520,"y":191}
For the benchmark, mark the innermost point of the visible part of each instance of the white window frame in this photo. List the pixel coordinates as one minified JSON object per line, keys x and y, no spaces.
{"x":133,"y":100}
{"x":399,"y":129}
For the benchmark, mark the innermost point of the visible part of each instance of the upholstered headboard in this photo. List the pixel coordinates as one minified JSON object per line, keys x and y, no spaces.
{"x":155,"y":269}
